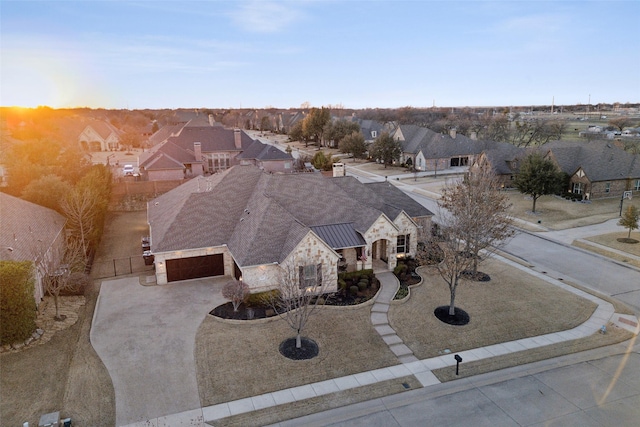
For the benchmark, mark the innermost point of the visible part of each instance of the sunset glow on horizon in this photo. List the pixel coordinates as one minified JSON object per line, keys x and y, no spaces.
{"x":254,"y":54}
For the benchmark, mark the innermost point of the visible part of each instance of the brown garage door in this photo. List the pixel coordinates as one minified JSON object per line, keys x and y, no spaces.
{"x":195,"y":267}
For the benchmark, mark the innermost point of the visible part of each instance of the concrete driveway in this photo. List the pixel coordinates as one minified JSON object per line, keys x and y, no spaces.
{"x":145,"y":335}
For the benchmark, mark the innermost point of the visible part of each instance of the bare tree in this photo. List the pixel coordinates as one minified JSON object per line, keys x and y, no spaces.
{"x":236,"y":291}
{"x":80,"y":209}
{"x":480,"y":210}
{"x":454,"y":258}
{"x":62,"y":269}
{"x":300,"y":290}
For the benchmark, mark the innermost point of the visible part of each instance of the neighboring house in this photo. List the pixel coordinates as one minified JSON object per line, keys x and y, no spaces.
{"x":596,"y":169}
{"x":30,"y":232}
{"x":266,"y":157}
{"x":199,"y":148}
{"x":371,"y":130}
{"x":503,"y":159}
{"x":99,"y":135}
{"x":427,"y":150}
{"x":247,"y":223}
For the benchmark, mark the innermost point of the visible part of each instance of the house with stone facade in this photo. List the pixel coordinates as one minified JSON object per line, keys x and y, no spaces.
{"x":427,"y":150}
{"x":31,"y":232}
{"x":596,"y":169}
{"x":99,"y":135}
{"x":503,"y":159}
{"x":245,"y":222}
{"x":201,"y":147}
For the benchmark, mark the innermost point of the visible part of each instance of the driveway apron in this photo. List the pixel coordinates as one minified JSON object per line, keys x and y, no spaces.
{"x":145,"y":335}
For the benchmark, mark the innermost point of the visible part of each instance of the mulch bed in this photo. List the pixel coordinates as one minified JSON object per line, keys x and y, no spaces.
{"x":626,"y":240}
{"x":460,"y":317}
{"x":225,"y":311}
{"x":308,"y":349}
{"x":479,"y":276}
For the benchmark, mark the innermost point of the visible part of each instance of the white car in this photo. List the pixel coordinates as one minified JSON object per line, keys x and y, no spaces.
{"x":127,"y":170}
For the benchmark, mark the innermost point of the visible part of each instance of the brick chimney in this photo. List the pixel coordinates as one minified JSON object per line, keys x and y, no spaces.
{"x":452,"y":133}
{"x":197,"y":151}
{"x":237,"y":138}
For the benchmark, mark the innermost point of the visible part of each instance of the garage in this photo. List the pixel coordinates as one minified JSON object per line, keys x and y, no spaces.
{"x":195,"y":267}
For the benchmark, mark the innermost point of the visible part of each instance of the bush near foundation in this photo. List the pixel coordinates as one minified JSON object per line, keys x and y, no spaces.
{"x":17,"y":307}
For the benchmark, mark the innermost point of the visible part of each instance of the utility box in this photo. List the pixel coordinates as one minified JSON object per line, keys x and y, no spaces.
{"x":339,"y":169}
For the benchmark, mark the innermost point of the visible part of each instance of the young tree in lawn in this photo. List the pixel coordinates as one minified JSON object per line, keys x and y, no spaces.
{"x":630,"y":219}
{"x":353,"y":144}
{"x":386,"y":149}
{"x":537,"y":177}
{"x":454,"y":257}
{"x":300,"y":288}
{"x":480,"y":210}
{"x":236,"y":291}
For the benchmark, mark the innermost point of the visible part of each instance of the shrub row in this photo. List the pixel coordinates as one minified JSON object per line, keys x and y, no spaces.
{"x":17,"y":306}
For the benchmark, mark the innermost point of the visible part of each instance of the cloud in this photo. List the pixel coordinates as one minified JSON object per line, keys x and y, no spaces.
{"x":266,"y":16}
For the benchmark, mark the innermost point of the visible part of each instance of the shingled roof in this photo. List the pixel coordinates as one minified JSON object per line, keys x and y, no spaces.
{"x":434,"y":145}
{"x":261,"y":217}
{"x":263,"y":152}
{"x":26,"y":228}
{"x":600,"y":160}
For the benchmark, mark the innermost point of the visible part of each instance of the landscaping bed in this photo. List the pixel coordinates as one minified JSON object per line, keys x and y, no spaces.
{"x":353,"y":288}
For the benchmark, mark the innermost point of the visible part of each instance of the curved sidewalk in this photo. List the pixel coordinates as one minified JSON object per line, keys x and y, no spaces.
{"x":420,"y":369}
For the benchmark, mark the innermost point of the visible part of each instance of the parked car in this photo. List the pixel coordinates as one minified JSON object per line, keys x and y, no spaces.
{"x":127,"y":170}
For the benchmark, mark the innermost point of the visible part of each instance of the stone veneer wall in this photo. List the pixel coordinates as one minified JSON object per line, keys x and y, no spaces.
{"x":407,"y":226}
{"x":382,"y":229}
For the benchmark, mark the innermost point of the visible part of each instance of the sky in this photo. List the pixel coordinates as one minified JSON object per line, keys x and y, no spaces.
{"x":354,"y":54}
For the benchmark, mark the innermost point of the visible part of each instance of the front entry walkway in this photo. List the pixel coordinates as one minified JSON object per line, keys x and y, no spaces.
{"x":389,"y":285}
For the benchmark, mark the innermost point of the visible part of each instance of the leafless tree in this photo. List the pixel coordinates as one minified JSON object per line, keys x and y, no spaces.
{"x":236,"y":291}
{"x":454,"y":257}
{"x":480,"y":211}
{"x":300,"y":290}
{"x":62,"y":269}
{"x":80,"y":209}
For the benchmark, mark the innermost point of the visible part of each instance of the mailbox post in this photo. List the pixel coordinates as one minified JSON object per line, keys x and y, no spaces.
{"x":458,"y":360}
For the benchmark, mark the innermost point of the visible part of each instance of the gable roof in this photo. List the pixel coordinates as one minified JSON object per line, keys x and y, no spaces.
{"x":600,"y":160}
{"x":415,"y":139}
{"x":26,"y":228}
{"x":168,"y":156}
{"x":179,"y":145}
{"x":262,"y":217}
{"x":501,"y":155}
{"x":211,"y":138}
{"x":103,"y":128}
{"x":264,"y":152}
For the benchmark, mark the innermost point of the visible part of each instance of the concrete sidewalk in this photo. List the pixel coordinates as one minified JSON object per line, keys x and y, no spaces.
{"x":420,"y":369}
{"x":599,"y":387}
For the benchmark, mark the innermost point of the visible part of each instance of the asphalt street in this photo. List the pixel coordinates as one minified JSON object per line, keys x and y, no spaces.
{"x":596,"y":388}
